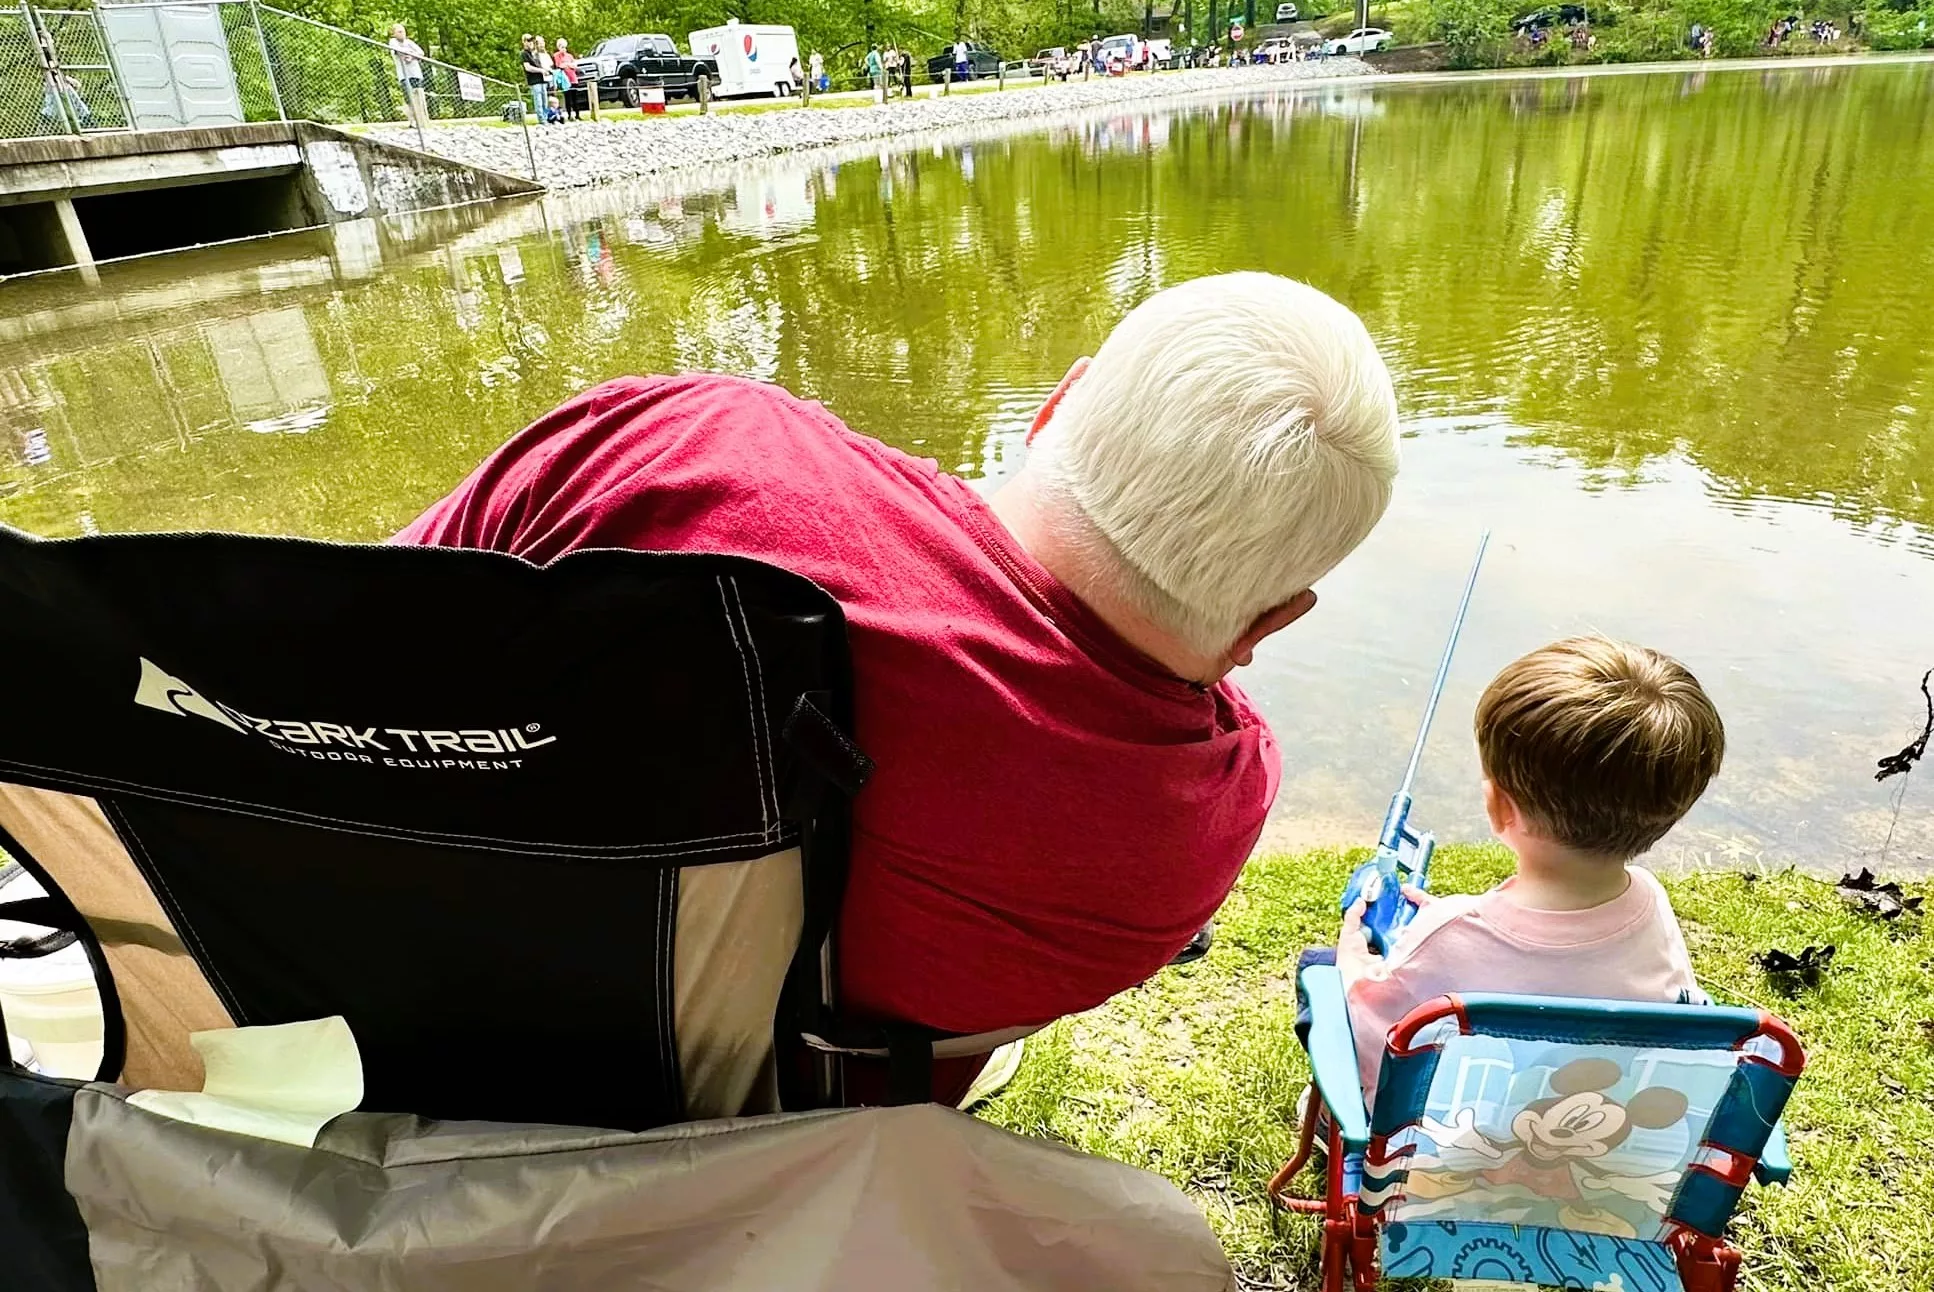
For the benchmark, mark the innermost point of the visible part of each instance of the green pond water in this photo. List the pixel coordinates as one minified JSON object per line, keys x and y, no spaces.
{"x":1669,"y":335}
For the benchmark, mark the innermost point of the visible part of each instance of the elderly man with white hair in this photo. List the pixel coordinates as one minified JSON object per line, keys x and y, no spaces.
{"x":1067,"y":784}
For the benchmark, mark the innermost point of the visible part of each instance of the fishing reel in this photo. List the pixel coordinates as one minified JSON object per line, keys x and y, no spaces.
{"x":1403,"y":857}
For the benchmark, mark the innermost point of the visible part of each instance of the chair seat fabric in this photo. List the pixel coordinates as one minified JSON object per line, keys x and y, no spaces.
{"x":904,"y":1199}
{"x":1465,"y":1249}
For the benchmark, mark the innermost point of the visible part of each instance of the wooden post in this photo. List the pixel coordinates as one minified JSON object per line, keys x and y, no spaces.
{"x":1000,"y":75}
{"x":704,"y":93}
{"x":947,"y":84}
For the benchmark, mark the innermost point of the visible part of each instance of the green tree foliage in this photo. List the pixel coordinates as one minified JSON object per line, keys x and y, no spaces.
{"x":483,"y":34}
{"x":1901,"y":28}
{"x":1478,"y":32}
{"x":1474,"y":30}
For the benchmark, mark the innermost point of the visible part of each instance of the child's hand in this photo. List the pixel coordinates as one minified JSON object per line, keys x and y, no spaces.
{"x":1354,"y":957}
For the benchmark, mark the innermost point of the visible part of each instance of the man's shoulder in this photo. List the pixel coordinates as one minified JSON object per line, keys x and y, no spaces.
{"x":772,"y":468}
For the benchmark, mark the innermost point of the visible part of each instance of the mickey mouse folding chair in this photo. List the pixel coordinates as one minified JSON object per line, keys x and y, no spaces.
{"x":1543,"y":1139}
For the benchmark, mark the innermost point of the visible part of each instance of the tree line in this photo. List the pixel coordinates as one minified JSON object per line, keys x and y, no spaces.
{"x":1479,"y":33}
{"x":483,"y":34}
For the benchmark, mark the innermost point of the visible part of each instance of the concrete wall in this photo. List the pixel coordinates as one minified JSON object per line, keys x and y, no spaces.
{"x":351,"y":177}
{"x":292,"y":174}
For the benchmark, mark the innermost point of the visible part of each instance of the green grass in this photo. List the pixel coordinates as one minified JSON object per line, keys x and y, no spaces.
{"x":1196,"y":1074}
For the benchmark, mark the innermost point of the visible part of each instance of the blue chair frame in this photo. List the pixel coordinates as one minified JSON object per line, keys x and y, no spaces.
{"x":1743,"y":1139}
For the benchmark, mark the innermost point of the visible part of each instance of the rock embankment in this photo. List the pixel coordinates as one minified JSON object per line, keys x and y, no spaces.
{"x":625,"y":145}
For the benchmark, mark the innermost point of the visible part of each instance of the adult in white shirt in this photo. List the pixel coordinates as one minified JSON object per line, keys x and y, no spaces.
{"x":961,"y":71}
{"x":408,"y":57}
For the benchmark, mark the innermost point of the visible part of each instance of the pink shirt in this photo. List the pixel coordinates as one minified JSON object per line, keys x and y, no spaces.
{"x":1629,"y":948}
{"x":1054,"y":815}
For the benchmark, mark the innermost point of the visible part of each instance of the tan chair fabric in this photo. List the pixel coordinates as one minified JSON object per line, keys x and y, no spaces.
{"x":738,"y":923}
{"x":899,"y":1199}
{"x":164,"y":995}
{"x":737,"y":926}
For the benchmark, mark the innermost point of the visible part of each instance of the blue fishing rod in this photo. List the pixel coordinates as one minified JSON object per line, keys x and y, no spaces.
{"x":1403,"y":854}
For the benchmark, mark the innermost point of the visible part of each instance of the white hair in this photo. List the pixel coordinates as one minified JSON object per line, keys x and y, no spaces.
{"x":1233,"y":440}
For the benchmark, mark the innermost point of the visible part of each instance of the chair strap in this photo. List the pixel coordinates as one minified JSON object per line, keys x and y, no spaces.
{"x":46,"y":913}
{"x":879,"y":1041}
{"x":817,"y":739}
{"x":909,"y":1065}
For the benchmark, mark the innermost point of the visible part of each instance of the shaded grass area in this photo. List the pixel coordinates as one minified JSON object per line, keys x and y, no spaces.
{"x":1196,"y":1075}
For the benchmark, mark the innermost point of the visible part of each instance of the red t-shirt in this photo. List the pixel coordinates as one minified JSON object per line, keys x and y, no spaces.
{"x":1053,"y":816}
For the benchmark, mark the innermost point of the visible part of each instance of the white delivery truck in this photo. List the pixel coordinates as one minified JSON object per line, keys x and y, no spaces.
{"x":753,"y":59}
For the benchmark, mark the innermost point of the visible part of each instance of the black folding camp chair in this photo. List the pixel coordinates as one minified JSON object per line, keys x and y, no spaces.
{"x":446,"y":795}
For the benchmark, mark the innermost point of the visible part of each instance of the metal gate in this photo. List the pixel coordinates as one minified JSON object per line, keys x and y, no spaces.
{"x":158,"y":64}
{"x":174,"y":64}
{"x":56,"y":76}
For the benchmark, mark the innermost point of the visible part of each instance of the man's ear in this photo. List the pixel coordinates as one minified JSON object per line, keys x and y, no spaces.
{"x":1053,"y":401}
{"x":1271,"y":621}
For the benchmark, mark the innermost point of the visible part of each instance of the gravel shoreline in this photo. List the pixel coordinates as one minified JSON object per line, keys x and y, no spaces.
{"x":625,"y":147}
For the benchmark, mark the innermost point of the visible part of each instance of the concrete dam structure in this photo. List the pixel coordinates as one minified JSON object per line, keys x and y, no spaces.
{"x":75,"y":200}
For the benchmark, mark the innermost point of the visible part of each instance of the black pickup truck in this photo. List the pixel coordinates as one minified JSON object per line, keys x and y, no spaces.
{"x":624,"y":65}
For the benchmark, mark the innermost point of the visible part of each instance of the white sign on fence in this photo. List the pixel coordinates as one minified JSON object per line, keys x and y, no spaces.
{"x":470,"y":87}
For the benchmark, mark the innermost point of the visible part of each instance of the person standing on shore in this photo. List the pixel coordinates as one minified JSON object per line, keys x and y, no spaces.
{"x":536,"y":83}
{"x":876,"y":72}
{"x":961,"y":71}
{"x":408,"y":57}
{"x":566,"y":65}
{"x":553,"y":112}
{"x":816,"y":65}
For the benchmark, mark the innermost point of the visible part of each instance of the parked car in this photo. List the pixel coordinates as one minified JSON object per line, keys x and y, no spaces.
{"x":1286,"y":13}
{"x":1562,"y":15}
{"x":1052,"y":62}
{"x":1277,"y":49}
{"x":1161,"y":52}
{"x":623,"y":65}
{"x":1360,"y":41}
{"x":981,"y":62}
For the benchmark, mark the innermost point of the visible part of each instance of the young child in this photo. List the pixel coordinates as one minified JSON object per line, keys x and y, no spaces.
{"x":1592,"y":749}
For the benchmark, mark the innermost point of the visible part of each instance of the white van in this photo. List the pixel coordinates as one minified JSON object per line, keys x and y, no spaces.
{"x":1131,"y":50}
{"x":753,"y":59}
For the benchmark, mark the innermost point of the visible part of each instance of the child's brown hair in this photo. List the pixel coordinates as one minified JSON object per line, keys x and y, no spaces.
{"x":1603,"y":745}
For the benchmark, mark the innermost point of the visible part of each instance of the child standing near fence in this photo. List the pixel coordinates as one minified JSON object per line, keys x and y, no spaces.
{"x":1592,"y":749}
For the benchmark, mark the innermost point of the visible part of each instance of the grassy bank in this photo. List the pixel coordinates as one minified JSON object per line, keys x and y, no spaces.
{"x":1196,"y":1075}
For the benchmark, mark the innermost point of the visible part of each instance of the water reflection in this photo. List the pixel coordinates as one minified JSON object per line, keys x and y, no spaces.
{"x":1663,"y":332}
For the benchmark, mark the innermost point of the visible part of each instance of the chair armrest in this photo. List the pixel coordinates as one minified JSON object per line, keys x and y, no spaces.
{"x":1332,"y":1055}
{"x":1774,"y":1165}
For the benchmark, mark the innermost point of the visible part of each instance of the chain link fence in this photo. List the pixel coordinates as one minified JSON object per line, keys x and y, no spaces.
{"x":55,"y":76}
{"x":326,"y":74}
{"x":151,"y":65}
